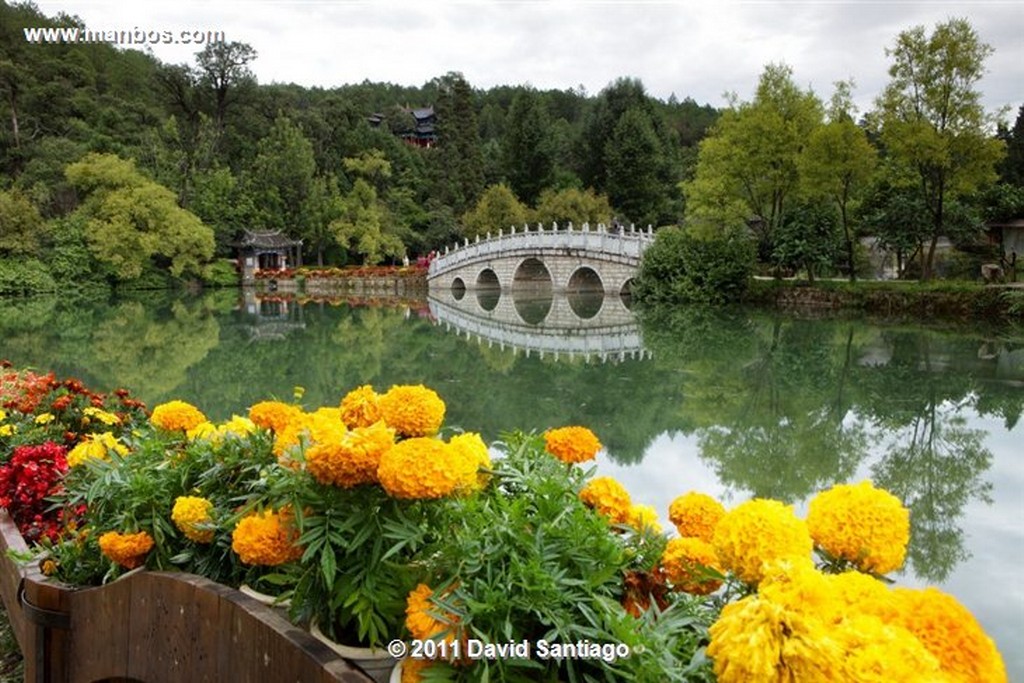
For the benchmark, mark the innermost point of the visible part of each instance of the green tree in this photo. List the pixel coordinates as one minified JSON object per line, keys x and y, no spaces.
{"x":281,"y":178}
{"x":932,"y":123}
{"x":22,"y":229}
{"x":1011,"y":170}
{"x":528,"y":148}
{"x":838,"y":163}
{"x":572,"y":204}
{"x":458,"y":164}
{"x":635,"y":169}
{"x":132,"y":220}
{"x":360,"y":226}
{"x":747,"y":167}
{"x":498,"y":209}
{"x":807,"y":239}
{"x":223,"y":67}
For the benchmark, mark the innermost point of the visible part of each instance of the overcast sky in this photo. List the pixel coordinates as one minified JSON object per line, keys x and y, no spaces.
{"x":693,"y":49}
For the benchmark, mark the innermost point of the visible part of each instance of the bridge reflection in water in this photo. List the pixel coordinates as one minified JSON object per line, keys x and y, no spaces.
{"x":591,"y":326}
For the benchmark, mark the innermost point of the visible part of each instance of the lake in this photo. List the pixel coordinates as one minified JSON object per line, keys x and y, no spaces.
{"x":736,"y":403}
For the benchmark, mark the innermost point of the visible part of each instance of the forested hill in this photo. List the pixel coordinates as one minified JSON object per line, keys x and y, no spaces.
{"x":236,"y":154}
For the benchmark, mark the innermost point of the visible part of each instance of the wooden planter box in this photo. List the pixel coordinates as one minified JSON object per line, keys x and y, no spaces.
{"x":154,"y":627}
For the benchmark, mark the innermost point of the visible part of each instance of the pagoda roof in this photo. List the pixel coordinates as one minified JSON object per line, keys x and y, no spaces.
{"x":267,"y":239}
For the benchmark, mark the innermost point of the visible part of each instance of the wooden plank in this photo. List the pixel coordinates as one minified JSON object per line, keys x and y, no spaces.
{"x":10,"y":579}
{"x":100,"y":628}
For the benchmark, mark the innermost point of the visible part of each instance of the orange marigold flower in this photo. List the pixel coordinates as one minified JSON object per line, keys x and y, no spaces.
{"x":191,"y":514}
{"x":266,"y":538}
{"x":360,"y":407}
{"x":412,"y":669}
{"x":696,"y":514}
{"x":572,"y":444}
{"x":951,"y":633}
{"x":177,"y":416}
{"x":608,"y":497}
{"x":759,"y":531}
{"x":422,"y":467}
{"x":859,"y":523}
{"x":127,"y":550}
{"x":687,"y":562}
{"x":425,"y":619}
{"x":351,"y":460}
{"x":412,"y":410}
{"x":273,"y":415}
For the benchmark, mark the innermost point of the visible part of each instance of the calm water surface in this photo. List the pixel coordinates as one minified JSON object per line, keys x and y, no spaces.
{"x":735,"y":403}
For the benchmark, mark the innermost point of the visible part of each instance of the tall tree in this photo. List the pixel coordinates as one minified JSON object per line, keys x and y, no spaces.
{"x":634,"y":163}
{"x":838,"y":163}
{"x":747,"y":167}
{"x":1011,"y":170}
{"x":528,"y":147}
{"x":932,"y":123}
{"x":223,"y":66}
{"x":459,"y":166}
{"x":281,"y":178}
{"x":498,"y":209}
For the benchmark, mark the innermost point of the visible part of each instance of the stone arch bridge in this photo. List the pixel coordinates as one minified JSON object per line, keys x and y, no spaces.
{"x":559,"y":259}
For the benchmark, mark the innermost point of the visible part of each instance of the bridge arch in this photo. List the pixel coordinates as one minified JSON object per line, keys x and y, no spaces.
{"x":561,"y":259}
{"x":458,"y":288}
{"x":531,"y":273}
{"x":585,"y":279}
{"x":487,"y":279}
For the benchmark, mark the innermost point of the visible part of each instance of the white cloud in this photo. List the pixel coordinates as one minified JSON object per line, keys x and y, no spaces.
{"x":693,"y":49}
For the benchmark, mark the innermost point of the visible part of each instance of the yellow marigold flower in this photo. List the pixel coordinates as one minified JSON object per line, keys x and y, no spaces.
{"x":424,"y":619}
{"x":290,"y":434}
{"x":204,"y":430}
{"x":759,"y":531}
{"x":360,"y":407}
{"x":127,"y":550}
{"x":95,"y":446}
{"x":857,"y":592}
{"x":352,"y":459}
{"x":103,"y":416}
{"x":686,"y":562}
{"x":859,"y":523}
{"x":191,"y":514}
{"x":644,"y":518}
{"x":3,"y":414}
{"x":876,"y":652}
{"x":796,"y":584}
{"x":412,"y":410}
{"x":176,"y":416}
{"x":951,"y":633}
{"x":266,"y":538}
{"x":274,"y":415}
{"x":757,"y":640}
{"x":48,"y":567}
{"x":572,"y":444}
{"x":8,"y":429}
{"x":422,"y":467}
{"x":324,"y":424}
{"x":44,"y":418}
{"x":696,"y":514}
{"x":474,"y":448}
{"x":237,"y":426}
{"x":608,"y":497}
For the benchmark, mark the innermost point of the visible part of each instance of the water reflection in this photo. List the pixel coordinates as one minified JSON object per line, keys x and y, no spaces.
{"x":766,"y":404}
{"x":577,"y":324}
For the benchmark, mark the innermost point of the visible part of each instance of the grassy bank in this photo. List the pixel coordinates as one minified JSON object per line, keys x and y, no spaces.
{"x":955,"y":300}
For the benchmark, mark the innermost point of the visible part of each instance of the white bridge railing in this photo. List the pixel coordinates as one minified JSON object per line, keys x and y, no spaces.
{"x":621,"y":244}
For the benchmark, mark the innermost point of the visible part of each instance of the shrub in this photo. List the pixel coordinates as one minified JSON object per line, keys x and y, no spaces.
{"x":685,"y":267}
{"x":20,"y":278}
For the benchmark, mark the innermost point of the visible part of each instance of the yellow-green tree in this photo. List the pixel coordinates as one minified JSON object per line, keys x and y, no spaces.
{"x":498,"y":209}
{"x":937,"y":136}
{"x":132,"y":221}
{"x":572,"y":204}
